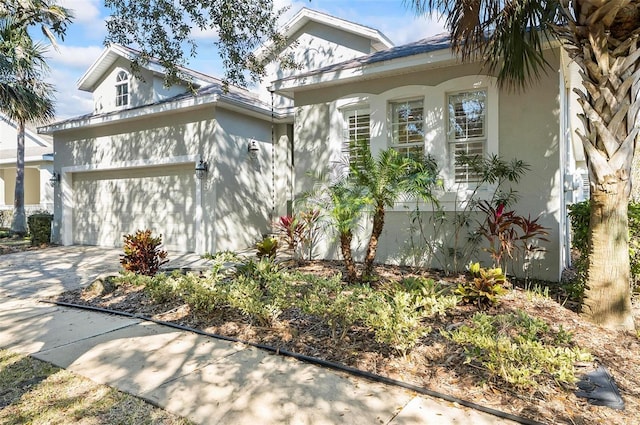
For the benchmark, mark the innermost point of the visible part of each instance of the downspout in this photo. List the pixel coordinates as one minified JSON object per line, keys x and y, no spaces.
{"x":566,"y":183}
{"x":272,"y":216}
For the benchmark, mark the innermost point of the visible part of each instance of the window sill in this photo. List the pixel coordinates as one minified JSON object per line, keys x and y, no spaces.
{"x":448,"y":200}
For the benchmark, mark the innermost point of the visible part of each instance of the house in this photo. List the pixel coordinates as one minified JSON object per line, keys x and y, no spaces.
{"x":418,"y":98}
{"x":131,"y":163}
{"x":38,"y":194}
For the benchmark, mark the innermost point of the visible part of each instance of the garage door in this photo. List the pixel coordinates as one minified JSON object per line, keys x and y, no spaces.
{"x":109,"y":204}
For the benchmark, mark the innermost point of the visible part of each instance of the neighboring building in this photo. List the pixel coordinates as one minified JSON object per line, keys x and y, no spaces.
{"x":130,"y":163}
{"x":38,"y":194}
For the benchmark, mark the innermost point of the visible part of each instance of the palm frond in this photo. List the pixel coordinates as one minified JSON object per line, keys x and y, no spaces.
{"x":508,"y":36}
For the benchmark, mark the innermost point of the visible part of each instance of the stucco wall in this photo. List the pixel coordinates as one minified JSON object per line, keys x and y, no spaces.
{"x":235,"y":194}
{"x":312,"y":47}
{"x":144,"y":88}
{"x":527,"y":129}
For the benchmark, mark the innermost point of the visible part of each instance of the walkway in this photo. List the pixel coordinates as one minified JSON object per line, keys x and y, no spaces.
{"x":204,"y":379}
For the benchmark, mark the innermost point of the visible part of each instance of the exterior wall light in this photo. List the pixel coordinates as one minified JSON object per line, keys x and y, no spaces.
{"x":253,"y":148}
{"x":201,"y":169}
{"x":54,"y":180}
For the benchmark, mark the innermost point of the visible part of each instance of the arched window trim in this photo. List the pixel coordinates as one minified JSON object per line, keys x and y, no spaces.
{"x":122,"y":89}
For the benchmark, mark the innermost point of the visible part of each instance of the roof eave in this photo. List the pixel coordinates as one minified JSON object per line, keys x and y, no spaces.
{"x":379,"y":41}
{"x":182,"y":105}
{"x":287,"y":87}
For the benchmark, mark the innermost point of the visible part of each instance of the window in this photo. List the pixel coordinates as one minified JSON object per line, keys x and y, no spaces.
{"x":407,"y":127}
{"x":122,"y":89}
{"x":467,"y":131}
{"x":356,"y":131}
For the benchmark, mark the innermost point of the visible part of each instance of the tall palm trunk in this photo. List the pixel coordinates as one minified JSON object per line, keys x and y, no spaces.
{"x":376,"y":231}
{"x":603,"y":40}
{"x":19,"y":223}
{"x":606,"y":300}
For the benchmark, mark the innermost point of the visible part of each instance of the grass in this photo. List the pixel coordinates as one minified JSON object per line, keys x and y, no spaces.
{"x":36,"y":392}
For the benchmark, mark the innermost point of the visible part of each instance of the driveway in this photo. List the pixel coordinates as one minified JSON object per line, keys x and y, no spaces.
{"x":51,"y":271}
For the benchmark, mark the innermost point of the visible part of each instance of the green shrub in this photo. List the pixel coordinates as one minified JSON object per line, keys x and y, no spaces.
{"x":394,"y":319}
{"x":267,"y":247}
{"x":338,"y":307}
{"x":519,"y":349}
{"x":485,"y":288}
{"x":248,"y":296}
{"x":432,"y":297}
{"x":40,"y":228}
{"x":579,"y":215}
{"x":203,"y":295}
{"x":142,"y":253}
{"x":162,"y":288}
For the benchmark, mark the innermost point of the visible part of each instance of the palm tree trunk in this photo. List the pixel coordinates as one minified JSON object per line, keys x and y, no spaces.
{"x":345,"y":247}
{"x":19,"y":223}
{"x":607,"y":300}
{"x":604,"y":42}
{"x":376,"y":231}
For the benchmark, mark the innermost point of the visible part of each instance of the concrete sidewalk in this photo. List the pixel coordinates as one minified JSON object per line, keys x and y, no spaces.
{"x":204,"y":379}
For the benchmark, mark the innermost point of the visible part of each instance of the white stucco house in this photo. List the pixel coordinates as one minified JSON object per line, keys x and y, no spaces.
{"x":38,"y":194}
{"x":130,"y":163}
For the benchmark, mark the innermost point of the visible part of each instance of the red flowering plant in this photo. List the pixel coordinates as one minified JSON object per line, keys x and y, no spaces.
{"x":291,"y":228}
{"x":509,"y":234}
{"x":299,"y":231}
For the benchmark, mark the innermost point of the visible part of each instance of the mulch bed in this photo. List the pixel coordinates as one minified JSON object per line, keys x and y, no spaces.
{"x":435,"y":363}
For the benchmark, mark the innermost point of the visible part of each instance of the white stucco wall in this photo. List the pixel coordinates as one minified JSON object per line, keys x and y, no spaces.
{"x":314,"y":46}
{"x":523,"y":126}
{"x":145,"y":88}
{"x":229,"y":209}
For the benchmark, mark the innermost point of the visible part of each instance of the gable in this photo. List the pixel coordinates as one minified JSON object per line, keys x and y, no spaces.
{"x":143,"y":88}
{"x":112,"y":92}
{"x":316,"y":40}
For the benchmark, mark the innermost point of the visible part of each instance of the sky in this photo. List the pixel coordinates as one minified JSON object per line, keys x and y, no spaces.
{"x":85,"y":40}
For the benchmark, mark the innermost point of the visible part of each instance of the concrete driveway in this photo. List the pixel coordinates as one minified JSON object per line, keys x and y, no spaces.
{"x":51,"y":271}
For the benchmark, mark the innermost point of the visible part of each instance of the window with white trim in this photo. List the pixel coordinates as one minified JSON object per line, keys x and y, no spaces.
{"x":407,"y":127}
{"x":356,"y":131}
{"x":122,"y":89}
{"x":467,"y":130}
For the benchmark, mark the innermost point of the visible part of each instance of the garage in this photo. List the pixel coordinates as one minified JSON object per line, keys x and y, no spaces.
{"x":109,"y":204}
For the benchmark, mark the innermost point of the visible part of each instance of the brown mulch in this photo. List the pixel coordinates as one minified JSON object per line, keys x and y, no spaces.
{"x":435,"y":363}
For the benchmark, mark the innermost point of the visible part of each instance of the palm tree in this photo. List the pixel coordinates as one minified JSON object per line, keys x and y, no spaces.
{"x":24,"y":96}
{"x":383,"y":180}
{"x":602,"y":37}
{"x":345,"y":209}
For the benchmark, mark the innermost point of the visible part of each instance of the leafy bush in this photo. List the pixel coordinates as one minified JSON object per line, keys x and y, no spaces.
{"x":339,"y":308}
{"x":142,"y":253}
{"x":579,"y":214}
{"x":449,"y":239}
{"x":519,"y":349}
{"x":249,"y":297}
{"x":509,"y":235}
{"x":485,"y":288}
{"x":394,"y":319}
{"x":431,"y":296}
{"x":267,"y":247}
{"x":202,"y":294}
{"x":40,"y":228}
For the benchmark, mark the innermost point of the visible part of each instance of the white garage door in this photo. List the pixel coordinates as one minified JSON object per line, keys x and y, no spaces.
{"x":109,"y":204}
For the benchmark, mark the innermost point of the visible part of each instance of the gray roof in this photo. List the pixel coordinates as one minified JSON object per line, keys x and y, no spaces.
{"x":426,"y":45}
{"x":230,"y":94}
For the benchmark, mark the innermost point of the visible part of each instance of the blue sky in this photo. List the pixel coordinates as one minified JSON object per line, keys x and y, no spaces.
{"x":85,"y":38}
